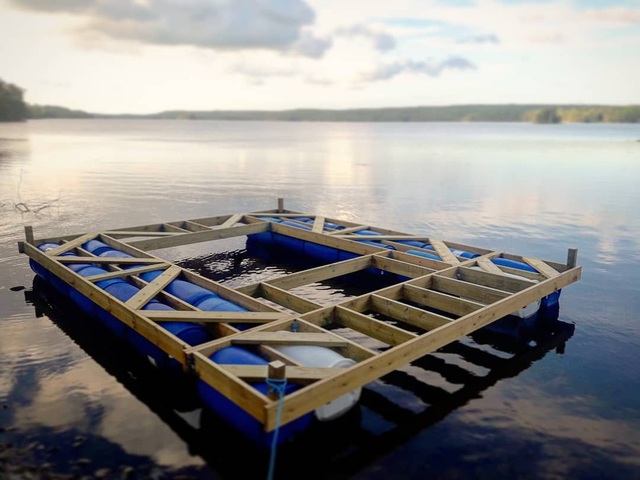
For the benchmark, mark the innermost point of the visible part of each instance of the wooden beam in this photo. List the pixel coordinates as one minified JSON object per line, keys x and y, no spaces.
{"x":323,"y":391}
{"x":109,"y":260}
{"x":71,"y":244}
{"x":488,"y":266}
{"x":288,"y":338}
{"x":400,"y":267}
{"x":280,"y":205}
{"x":500,"y":282}
{"x":371,"y":327}
{"x":440,"y":301}
{"x":275,"y":371}
{"x":294,"y":373}
{"x":154,"y":287}
{"x":340,"y":234}
{"x":195,"y":226}
{"x":318,"y":274}
{"x":472,"y":291}
{"x":197,"y":237}
{"x":127,"y":234}
{"x":231,"y":221}
{"x":572,"y":257}
{"x":128,"y":273}
{"x":443,"y":252}
{"x":542,"y":267}
{"x":345,"y":231}
{"x":407,"y":313}
{"x":288,"y":300}
{"x":169,"y":227}
{"x":215,"y":317}
{"x":318,"y":224}
{"x":28,"y":234}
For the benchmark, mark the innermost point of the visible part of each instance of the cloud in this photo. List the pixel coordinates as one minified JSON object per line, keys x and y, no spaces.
{"x":483,"y":38}
{"x":431,"y":69}
{"x":214,"y":24}
{"x":614,"y":15}
{"x":381,"y":41}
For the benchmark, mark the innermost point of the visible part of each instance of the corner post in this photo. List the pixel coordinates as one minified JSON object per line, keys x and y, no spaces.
{"x":572,"y":258}
{"x":276,"y":371}
{"x":28,"y":234}
{"x":280,"y":205}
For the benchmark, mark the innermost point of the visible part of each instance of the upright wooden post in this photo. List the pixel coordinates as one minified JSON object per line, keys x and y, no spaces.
{"x":280,"y":205}
{"x":28,"y":234}
{"x":276,"y":371}
{"x":572,"y":258}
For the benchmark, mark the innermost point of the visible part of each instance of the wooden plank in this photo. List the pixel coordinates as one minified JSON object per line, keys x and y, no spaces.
{"x":500,"y":282}
{"x":294,"y":373}
{"x":312,"y":396}
{"x":345,"y":231}
{"x":572,"y":257}
{"x":328,"y":240}
{"x":127,"y":273}
{"x":197,"y":237}
{"x":231,"y":221}
{"x":488,"y":266}
{"x":288,"y":300}
{"x":71,"y":244}
{"x":208,"y":317}
{"x":440,"y":301}
{"x":407,"y":313}
{"x":142,"y":297}
{"x":377,"y":329}
{"x":195,"y":226}
{"x":170,"y":227}
{"x":379,"y":237}
{"x":127,"y":234}
{"x":288,"y":338}
{"x":126,"y":248}
{"x":399,"y":267}
{"x":479,"y":293}
{"x":318,"y":224}
{"x":443,"y":252}
{"x":28,"y":234}
{"x":318,"y":274}
{"x":110,"y":260}
{"x":542,"y":267}
{"x":433,"y":265}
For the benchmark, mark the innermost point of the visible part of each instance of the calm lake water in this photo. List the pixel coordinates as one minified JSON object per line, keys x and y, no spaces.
{"x":564,"y":406}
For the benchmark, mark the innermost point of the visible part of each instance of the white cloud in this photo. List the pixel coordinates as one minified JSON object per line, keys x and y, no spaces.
{"x":381,"y":41}
{"x":431,"y":69}
{"x":214,"y":24}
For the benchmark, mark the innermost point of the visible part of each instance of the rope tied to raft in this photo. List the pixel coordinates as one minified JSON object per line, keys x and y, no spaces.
{"x":277,"y":385}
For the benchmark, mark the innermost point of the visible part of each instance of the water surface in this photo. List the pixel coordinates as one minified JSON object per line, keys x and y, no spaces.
{"x":566,"y":407}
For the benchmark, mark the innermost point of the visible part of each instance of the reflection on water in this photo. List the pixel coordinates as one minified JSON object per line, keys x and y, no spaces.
{"x":475,"y":409}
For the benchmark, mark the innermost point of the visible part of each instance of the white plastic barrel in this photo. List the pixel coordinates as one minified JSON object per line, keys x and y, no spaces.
{"x":314,"y":356}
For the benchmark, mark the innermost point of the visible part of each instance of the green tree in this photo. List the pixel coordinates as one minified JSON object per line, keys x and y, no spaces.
{"x":12,"y":106}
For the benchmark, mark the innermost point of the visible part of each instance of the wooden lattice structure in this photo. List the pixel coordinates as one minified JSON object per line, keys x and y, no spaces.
{"x":441,"y":300}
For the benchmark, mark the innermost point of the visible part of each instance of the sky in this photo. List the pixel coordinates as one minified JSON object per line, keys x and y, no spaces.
{"x":146,"y":56}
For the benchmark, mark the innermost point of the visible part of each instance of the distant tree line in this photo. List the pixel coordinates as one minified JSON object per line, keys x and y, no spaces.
{"x":12,"y":106}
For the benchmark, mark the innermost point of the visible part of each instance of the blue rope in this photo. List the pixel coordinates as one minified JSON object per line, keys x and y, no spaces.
{"x":278,"y":385}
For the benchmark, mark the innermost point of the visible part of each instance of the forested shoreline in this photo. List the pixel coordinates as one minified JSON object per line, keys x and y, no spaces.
{"x":14,"y":108}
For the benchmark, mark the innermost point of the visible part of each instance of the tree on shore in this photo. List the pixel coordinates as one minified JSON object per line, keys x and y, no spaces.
{"x":12,"y":106}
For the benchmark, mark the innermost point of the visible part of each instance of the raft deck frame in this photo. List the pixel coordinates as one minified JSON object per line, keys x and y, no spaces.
{"x":470,"y":298}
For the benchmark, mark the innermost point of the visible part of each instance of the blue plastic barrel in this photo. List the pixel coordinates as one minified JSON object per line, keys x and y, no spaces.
{"x":233,"y":414}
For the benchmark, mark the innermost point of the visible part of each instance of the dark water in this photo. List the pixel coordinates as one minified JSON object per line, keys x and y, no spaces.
{"x":562,"y":403}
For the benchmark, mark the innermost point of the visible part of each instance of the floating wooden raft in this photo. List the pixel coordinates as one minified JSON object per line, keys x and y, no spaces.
{"x":467,"y":293}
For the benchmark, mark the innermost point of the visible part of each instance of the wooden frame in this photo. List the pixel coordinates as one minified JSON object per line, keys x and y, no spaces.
{"x":441,"y":300}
